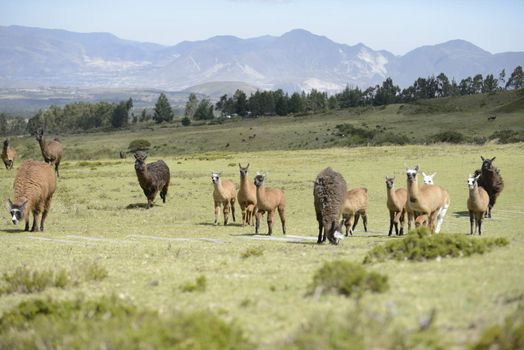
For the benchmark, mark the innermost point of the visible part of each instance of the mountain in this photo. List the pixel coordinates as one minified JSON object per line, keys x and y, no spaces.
{"x":293,"y":61}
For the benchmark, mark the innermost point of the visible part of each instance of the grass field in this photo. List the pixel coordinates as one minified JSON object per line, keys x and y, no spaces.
{"x":152,"y":255}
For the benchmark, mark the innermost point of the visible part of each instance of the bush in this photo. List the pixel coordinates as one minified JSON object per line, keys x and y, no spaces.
{"x":347,"y":278}
{"x":199,"y":285}
{"x":509,"y":336}
{"x":186,"y":121}
{"x":420,"y":245}
{"x":360,"y":136}
{"x":507,"y":136}
{"x":110,"y":323}
{"x":255,"y":251}
{"x":139,"y":145}
{"x":27,"y":281}
{"x":449,"y":137}
{"x":93,"y":272}
{"x":358,"y":330}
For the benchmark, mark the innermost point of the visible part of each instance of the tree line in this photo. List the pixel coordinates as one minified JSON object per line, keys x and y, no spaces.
{"x":82,"y":116}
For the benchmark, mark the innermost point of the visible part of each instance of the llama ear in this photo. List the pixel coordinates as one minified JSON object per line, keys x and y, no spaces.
{"x":433,"y":175}
{"x":481,"y":157}
{"x":240,"y":166}
{"x":8,"y":204}
{"x":247,"y":165}
{"x":424,"y":174}
{"x":416,"y":168}
{"x":492,"y":159}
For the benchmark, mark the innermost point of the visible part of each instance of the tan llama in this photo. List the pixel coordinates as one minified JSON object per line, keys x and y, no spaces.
{"x":247,"y":197}
{"x":224,"y":194}
{"x":478,"y":203}
{"x":269,"y":200}
{"x":396,"y":203}
{"x":355,"y":205}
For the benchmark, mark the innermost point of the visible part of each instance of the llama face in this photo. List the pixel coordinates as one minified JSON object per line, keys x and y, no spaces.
{"x":487,"y":163}
{"x":16,"y":211}
{"x":412,"y":174}
{"x":39,"y":135}
{"x":428,"y":179}
{"x":259,"y":180}
{"x":243,"y":170}
{"x":140,"y":161}
{"x":6,"y":143}
{"x":390,"y":181}
{"x":215,"y":177}
{"x":472,"y":181}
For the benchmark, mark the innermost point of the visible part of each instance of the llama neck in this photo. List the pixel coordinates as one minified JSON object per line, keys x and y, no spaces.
{"x":42,"y":144}
{"x":413,"y":189}
{"x":244,"y":181}
{"x":474,"y":194}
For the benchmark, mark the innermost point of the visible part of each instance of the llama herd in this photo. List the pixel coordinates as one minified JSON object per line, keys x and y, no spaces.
{"x":335,"y":205}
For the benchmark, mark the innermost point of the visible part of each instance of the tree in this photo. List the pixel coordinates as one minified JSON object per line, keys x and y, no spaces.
{"x":191,"y":105}
{"x":490,"y":84}
{"x":465,"y":86}
{"x":516,"y":80}
{"x":120,"y":115}
{"x":240,"y":100}
{"x":502,"y":79}
{"x":477,"y":84}
{"x":387,"y":93}
{"x":3,"y":124}
{"x":163,"y":110}
{"x":443,"y":85}
{"x":295,"y":104}
{"x":204,"y":110}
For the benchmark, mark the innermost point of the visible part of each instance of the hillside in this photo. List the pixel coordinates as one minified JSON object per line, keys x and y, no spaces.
{"x":407,"y":123}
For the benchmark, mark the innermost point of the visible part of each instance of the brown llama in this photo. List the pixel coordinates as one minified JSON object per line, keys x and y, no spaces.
{"x":52,"y":151}
{"x":34,"y":186}
{"x":491,"y":181}
{"x":247,"y":197}
{"x":224,"y":193}
{"x":355,"y":206}
{"x":397,"y":206}
{"x":478,"y":203}
{"x":153,"y":177}
{"x":269,"y":200}
{"x":8,"y":155}
{"x":430,"y":202}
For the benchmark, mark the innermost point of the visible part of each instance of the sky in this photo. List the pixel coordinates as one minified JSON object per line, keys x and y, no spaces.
{"x":396,"y":26}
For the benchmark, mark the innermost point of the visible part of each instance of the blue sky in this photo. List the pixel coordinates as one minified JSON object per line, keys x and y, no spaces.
{"x":396,"y":26}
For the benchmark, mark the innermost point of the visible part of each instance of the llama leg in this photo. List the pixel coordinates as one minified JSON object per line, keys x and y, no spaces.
{"x":36,"y":216}
{"x":163,"y":193}
{"x":471,"y":222}
{"x":233,"y":209}
{"x":281,"y":213}
{"x":357,"y":216}
{"x":365,"y":221}
{"x":243,"y":209}
{"x":258,"y":217}
{"x":402,"y":219}
{"x":396,"y":220}
{"x":479,"y":224}
{"x":226,"y":212}
{"x":217,"y":210}
{"x":321,"y":238}
{"x":349,"y":225}
{"x":56,"y":169}
{"x":27,"y":224}
{"x":391,"y":215}
{"x":270,"y":215}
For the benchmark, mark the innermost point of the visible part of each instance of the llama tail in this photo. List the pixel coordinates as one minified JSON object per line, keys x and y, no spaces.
{"x":440,"y":217}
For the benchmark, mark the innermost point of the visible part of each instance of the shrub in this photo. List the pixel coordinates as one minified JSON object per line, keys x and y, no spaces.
{"x":358,"y":330}
{"x":186,"y":121}
{"x":507,"y":136}
{"x":449,"y":137}
{"x":199,"y":285}
{"x":93,"y":272}
{"x":509,"y":336}
{"x":139,"y":145}
{"x":254,"y":251}
{"x":420,"y":245}
{"x":23,"y":280}
{"x":110,"y":323}
{"x":347,"y":278}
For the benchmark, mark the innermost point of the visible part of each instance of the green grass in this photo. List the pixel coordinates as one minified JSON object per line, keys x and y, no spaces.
{"x":98,"y":214}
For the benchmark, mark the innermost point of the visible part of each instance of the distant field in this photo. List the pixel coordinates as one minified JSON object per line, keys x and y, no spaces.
{"x":97,"y":215}
{"x":416,"y":122}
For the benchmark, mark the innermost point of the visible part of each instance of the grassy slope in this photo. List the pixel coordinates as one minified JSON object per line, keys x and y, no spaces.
{"x":266,"y":294}
{"x":465,"y":114}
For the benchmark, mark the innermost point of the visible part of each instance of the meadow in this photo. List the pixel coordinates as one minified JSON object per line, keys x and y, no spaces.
{"x":171,"y":258}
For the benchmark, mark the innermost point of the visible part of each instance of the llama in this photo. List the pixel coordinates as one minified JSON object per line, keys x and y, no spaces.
{"x":34,"y":186}
{"x":8,"y":155}
{"x":224,"y":193}
{"x":478,"y":203}
{"x":152,"y":177}
{"x":397,"y":206}
{"x":491,"y":180}
{"x":247,"y":197}
{"x":428,"y":179}
{"x":355,"y":206}
{"x":431,"y":202}
{"x":52,"y":151}
{"x":269,"y":200}
{"x":329,"y":193}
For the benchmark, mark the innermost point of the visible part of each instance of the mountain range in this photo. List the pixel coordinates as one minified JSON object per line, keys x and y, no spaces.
{"x":296,"y":60}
